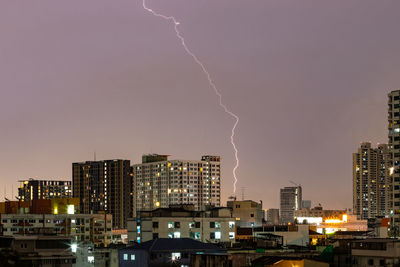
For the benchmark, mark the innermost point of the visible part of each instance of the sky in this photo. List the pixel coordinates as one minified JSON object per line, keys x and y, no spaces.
{"x":308,"y":79}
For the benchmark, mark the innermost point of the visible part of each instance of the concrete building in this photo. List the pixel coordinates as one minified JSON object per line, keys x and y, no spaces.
{"x":96,"y":228}
{"x":41,"y":206}
{"x":247,"y":213}
{"x":273,"y":216}
{"x":36,"y":251}
{"x":44,"y":189}
{"x":291,"y":200}
{"x":104,"y":186}
{"x":306,"y":204}
{"x":320,"y":212}
{"x":376,"y":252}
{"x":394,"y":148}
{"x":159,"y":182}
{"x":172,"y":252}
{"x":291,"y":234}
{"x":371,"y":181}
{"x":215,"y":225}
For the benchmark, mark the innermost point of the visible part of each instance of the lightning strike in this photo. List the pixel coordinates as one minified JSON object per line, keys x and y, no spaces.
{"x":210,"y":81}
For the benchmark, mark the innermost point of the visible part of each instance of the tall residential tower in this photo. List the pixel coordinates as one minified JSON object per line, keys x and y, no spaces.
{"x":159,"y":182}
{"x":104,"y":187}
{"x":371,"y":181}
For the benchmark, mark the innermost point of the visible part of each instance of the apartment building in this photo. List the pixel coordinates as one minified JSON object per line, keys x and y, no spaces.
{"x":31,"y":189}
{"x":96,"y":228}
{"x":159,"y":182}
{"x":371,"y":181}
{"x":213,"y":225}
{"x":247,"y":213}
{"x":104,"y":186}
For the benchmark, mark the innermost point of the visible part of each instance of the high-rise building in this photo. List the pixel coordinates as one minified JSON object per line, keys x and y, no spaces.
{"x":44,"y":189}
{"x":291,"y":200}
{"x":394,"y":148}
{"x":371,"y":185}
{"x":104,"y":186}
{"x":159,"y":182}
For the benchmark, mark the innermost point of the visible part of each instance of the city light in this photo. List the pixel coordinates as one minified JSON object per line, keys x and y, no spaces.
{"x":74,"y":247}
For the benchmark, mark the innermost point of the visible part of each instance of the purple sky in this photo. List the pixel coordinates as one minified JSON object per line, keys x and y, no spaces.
{"x":308,"y":79}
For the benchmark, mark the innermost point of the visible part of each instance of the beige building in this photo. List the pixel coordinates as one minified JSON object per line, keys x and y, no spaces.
{"x":80,"y":227}
{"x":159,"y":182}
{"x":212,"y":226}
{"x":371,"y":181}
{"x":247,"y":213}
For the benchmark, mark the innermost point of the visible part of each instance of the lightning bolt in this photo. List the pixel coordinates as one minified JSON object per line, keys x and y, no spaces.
{"x":210,"y":81}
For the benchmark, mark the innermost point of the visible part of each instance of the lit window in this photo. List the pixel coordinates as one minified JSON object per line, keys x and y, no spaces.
{"x":177,"y":234}
{"x":217,"y":235}
{"x":231,"y":224}
{"x":125,"y":257}
{"x":175,"y":256}
{"x":132,"y":257}
{"x":90,"y":259}
{"x":231,"y":235}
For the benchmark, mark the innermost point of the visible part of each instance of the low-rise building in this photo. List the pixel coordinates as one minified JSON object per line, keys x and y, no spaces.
{"x":292,"y":234}
{"x":36,"y":251}
{"x":96,"y":228}
{"x":44,"y":189}
{"x":172,"y":252}
{"x":376,"y":252}
{"x":247,"y":213}
{"x":214,"y":225}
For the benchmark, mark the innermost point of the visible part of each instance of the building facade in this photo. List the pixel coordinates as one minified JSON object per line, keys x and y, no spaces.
{"x":96,"y":228}
{"x":213,"y":226}
{"x":44,"y":189}
{"x":104,"y":186}
{"x":273,"y":216}
{"x":291,"y":200}
{"x":394,"y":148}
{"x":247,"y":213}
{"x":159,"y":182}
{"x":371,"y":181}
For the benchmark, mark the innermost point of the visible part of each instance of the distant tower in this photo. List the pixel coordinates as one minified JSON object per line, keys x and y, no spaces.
{"x":371,"y":186}
{"x":291,"y":200}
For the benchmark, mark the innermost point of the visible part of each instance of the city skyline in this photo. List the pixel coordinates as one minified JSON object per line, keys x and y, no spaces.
{"x":73,"y":73}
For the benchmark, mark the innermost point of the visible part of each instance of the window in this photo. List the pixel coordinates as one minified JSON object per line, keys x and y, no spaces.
{"x":177,"y":234}
{"x":231,"y":235}
{"x":155,"y":224}
{"x":212,"y":235}
{"x":177,"y":225}
{"x":175,"y":256}
{"x":231,"y":224}
{"x":252,"y":215}
{"x":155,"y":235}
{"x":170,"y":225}
{"x":212,"y":224}
{"x":218,"y":235}
{"x":132,"y":257}
{"x":125,"y":257}
{"x":197,"y":225}
{"x":192,"y":224}
{"x":217,"y":225}
{"x":195,"y":235}
{"x":371,"y":262}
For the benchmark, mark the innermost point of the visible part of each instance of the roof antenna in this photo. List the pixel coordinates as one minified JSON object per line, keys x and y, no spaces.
{"x":94,"y":155}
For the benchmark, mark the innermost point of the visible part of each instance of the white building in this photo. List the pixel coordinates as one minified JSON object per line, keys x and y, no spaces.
{"x":291,"y":200}
{"x":82,"y":227}
{"x":159,"y":182}
{"x":212,"y":226}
